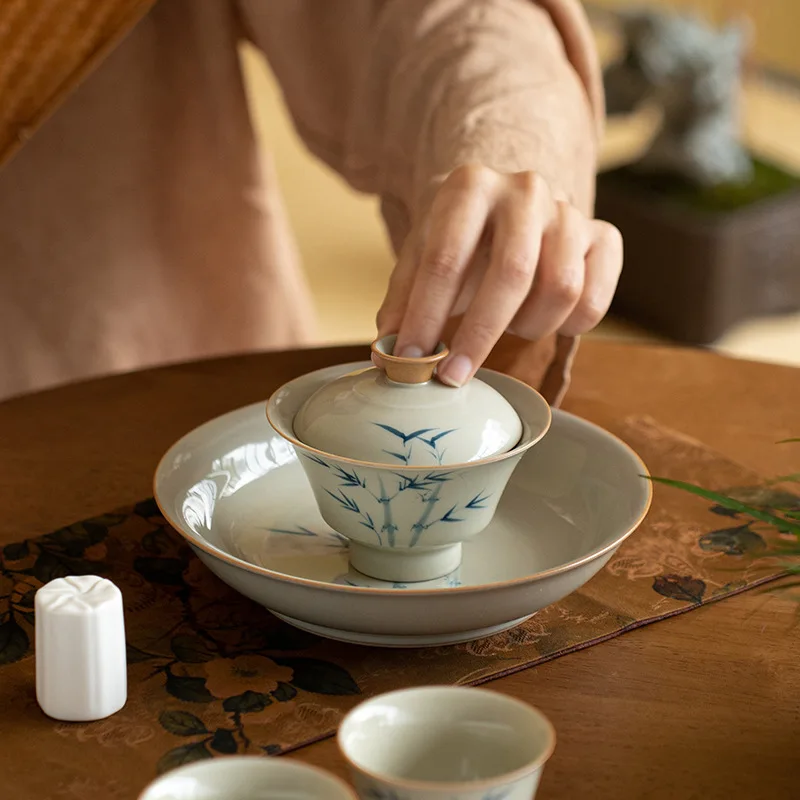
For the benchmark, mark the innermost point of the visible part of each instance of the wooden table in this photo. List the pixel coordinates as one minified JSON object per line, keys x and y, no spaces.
{"x":706,"y":705}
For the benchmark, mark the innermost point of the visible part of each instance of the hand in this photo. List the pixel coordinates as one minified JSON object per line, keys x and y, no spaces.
{"x":507,"y":252}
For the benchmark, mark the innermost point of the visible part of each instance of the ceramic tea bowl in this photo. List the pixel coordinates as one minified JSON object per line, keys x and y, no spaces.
{"x":405,"y":521}
{"x":446,"y":743}
{"x":247,"y":778}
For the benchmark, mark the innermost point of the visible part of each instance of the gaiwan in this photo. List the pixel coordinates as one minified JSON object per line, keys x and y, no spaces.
{"x":403,"y":466}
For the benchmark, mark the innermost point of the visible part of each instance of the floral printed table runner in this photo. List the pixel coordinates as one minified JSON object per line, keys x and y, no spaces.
{"x":211,"y":673}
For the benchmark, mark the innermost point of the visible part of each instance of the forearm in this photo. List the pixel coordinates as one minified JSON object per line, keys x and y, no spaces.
{"x":508,"y":99}
{"x":393,"y":93}
{"x":463,"y":81}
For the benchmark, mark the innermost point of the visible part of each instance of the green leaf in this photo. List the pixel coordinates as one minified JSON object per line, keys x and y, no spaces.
{"x":223,"y":741}
{"x":15,"y":551}
{"x":788,"y":441}
{"x":185,"y":754}
{"x":792,"y":477}
{"x":728,"y":502}
{"x":320,"y":677}
{"x":247,"y":703}
{"x":166,"y":571}
{"x":193,"y":690}
{"x":284,"y":693}
{"x":14,"y":642}
{"x":191,"y":649}
{"x":182,"y":723}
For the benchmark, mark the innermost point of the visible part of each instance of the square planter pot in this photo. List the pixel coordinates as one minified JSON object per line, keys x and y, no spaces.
{"x":698,"y":261}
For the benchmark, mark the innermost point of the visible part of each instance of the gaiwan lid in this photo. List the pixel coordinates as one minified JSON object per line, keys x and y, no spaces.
{"x":397,"y":414}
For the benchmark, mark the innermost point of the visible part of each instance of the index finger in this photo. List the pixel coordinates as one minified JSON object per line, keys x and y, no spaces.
{"x":457,"y":221}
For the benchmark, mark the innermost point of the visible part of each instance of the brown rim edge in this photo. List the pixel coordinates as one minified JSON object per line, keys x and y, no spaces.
{"x":282,"y":577}
{"x":220,"y":763}
{"x":454,"y":786}
{"x":517,"y":450}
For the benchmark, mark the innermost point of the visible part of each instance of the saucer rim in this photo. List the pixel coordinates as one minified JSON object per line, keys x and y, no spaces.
{"x":282,"y":577}
{"x":401,"y":641}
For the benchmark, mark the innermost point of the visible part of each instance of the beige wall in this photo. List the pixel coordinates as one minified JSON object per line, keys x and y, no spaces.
{"x":776,"y":24}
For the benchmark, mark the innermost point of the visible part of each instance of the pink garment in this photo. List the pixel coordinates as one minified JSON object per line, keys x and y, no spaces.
{"x":140,"y":226}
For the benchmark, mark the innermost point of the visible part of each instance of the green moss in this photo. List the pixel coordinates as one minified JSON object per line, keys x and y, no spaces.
{"x":769,"y":180}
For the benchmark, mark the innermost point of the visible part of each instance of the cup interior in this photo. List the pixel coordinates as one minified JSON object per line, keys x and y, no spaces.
{"x":247,"y":778}
{"x":447,"y":735}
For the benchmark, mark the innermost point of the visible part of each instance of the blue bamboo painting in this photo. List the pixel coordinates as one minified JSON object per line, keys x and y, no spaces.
{"x":352,"y":492}
{"x":403,"y":444}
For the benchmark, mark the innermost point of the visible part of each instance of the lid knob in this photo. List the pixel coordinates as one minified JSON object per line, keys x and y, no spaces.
{"x":402,"y":369}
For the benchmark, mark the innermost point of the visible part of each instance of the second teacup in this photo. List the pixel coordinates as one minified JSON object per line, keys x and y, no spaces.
{"x":446,"y":742}
{"x":247,"y":778}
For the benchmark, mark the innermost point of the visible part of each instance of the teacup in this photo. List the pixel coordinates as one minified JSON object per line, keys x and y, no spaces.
{"x":406,"y":523}
{"x":446,"y":743}
{"x":247,"y":778}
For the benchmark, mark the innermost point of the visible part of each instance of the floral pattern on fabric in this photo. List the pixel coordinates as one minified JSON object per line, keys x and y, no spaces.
{"x":211,"y":673}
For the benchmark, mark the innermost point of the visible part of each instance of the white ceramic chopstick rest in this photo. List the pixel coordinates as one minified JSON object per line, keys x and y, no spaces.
{"x":81,"y":668}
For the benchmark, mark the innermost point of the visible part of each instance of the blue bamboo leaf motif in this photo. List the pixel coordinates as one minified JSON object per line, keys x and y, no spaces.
{"x":301,"y":531}
{"x":343,"y":500}
{"x":439,"y":477}
{"x":408,"y":439}
{"x":368,"y":521}
{"x":434,"y":439}
{"x":405,"y":437}
{"x":399,"y":456}
{"x":477,"y":501}
{"x":351,"y":478}
{"x":421,"y":482}
{"x":317,"y":460}
{"x":448,"y":516}
{"x":349,"y":504}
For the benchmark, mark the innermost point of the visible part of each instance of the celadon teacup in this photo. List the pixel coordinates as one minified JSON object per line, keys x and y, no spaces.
{"x":446,"y":743}
{"x":247,"y":778}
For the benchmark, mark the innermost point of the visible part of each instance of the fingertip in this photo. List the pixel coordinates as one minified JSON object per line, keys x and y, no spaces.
{"x":456,"y":370}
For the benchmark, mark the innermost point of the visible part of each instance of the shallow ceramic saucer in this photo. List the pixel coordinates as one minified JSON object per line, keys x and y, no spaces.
{"x":235,"y":490}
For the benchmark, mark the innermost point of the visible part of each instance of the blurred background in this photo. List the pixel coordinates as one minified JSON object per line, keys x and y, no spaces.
{"x":334,"y":225}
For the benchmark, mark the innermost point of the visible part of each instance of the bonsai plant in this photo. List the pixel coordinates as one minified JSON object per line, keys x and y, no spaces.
{"x":712,"y":232}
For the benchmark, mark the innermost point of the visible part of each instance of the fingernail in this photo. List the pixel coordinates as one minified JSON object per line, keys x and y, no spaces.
{"x":410,"y":351}
{"x":455,"y":371}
